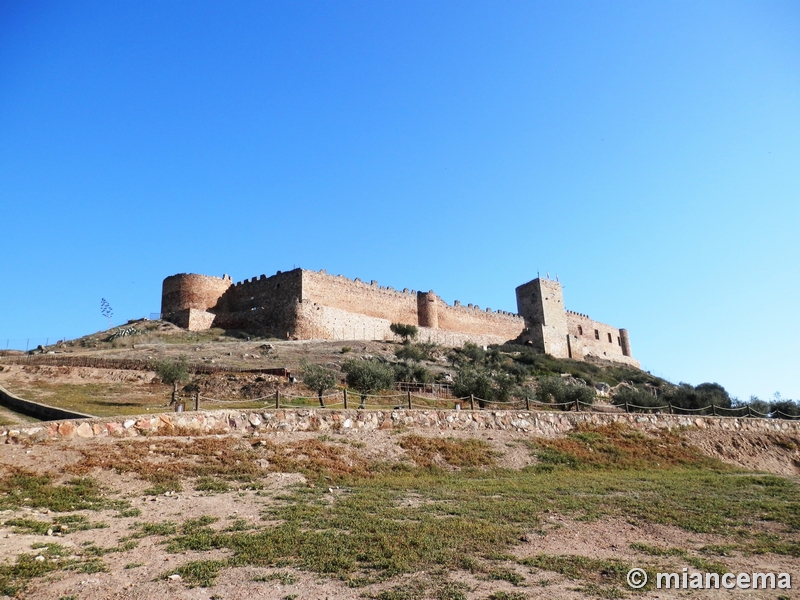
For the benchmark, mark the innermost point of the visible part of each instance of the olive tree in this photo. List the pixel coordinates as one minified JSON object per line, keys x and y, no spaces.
{"x":318,"y":378}
{"x":407,"y":332}
{"x":367,"y":376}
{"x":174,"y":372}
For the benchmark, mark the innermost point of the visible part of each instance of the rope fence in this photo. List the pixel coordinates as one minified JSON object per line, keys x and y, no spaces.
{"x":353,"y":399}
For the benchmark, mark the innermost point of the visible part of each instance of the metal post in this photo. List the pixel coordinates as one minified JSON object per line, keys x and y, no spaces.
{"x":345,"y":398}
{"x":409,"y":399}
{"x":472,"y":402}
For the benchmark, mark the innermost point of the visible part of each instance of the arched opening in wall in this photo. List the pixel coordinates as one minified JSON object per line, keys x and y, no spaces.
{"x":596,"y":334}
{"x":580,"y":330}
{"x":610,"y":341}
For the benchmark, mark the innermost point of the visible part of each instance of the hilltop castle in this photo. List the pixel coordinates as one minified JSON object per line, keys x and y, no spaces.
{"x":302,"y":304}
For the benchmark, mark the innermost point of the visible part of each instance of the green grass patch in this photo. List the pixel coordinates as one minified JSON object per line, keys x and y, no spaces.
{"x":146,"y":529}
{"x":211,"y":484}
{"x":508,"y":575}
{"x":22,"y":488}
{"x":45,"y":559}
{"x":198,"y":573}
{"x":506,"y":596}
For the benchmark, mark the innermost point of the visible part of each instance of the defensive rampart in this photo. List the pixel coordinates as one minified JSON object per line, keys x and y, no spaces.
{"x":302,"y":304}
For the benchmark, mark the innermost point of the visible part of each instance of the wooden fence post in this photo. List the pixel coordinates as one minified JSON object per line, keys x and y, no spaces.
{"x":472,"y":401}
{"x":527,"y":403}
{"x":277,"y":398}
{"x":713,"y":409}
{"x":626,"y":407}
{"x":409,"y":399}
{"x":345,"y":398}
{"x":197,"y":401}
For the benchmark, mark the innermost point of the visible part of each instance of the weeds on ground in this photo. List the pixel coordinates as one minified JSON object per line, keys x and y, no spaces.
{"x":62,"y":525}
{"x":427,"y":452}
{"x":22,"y":488}
{"x":45,"y":559}
{"x":198,"y":573}
{"x":284,"y":577}
{"x":366,"y":532}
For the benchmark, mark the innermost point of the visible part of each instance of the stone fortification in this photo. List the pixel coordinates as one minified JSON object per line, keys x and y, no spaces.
{"x":301,"y":304}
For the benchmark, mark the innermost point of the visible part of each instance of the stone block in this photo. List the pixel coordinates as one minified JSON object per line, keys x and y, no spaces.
{"x":84,"y":430}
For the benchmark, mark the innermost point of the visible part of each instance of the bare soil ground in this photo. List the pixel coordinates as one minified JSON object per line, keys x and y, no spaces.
{"x":142,"y":572}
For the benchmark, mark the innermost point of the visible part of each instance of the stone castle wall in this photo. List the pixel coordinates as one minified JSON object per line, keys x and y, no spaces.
{"x":302,"y":304}
{"x":264,"y":305}
{"x":355,"y":296}
{"x":592,"y":338}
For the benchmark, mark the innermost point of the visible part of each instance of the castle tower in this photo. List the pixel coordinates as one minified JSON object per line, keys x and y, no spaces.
{"x":186,"y":299}
{"x":541,"y":303}
{"x":625,"y":342}
{"x":427,"y":309}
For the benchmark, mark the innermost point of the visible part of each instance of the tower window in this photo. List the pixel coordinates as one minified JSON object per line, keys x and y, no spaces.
{"x":580,"y":330}
{"x":596,"y":334}
{"x":609,"y":339}
{"x":619,"y":342}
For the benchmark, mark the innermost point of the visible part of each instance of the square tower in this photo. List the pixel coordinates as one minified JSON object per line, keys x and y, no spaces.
{"x":541,"y":303}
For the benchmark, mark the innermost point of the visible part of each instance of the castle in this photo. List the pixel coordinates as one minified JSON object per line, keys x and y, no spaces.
{"x":301,"y":304}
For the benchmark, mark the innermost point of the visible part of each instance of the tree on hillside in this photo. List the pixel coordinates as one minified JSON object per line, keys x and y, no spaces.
{"x":698,"y":399}
{"x":174,"y":372}
{"x":318,"y":378}
{"x":553,"y":390}
{"x":407,"y":332}
{"x":367,"y":376}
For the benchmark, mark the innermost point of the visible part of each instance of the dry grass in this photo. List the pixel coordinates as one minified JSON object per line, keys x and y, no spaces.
{"x":618,"y":446}
{"x":436,"y":452}
{"x":164,"y":461}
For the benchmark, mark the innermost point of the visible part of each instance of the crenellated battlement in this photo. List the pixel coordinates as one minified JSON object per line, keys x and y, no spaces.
{"x":307,"y":304}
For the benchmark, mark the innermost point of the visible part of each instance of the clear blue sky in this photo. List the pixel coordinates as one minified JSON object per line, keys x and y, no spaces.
{"x":646,"y":152}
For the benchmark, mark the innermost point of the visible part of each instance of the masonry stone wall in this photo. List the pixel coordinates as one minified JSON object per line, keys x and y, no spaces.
{"x":262,"y":305}
{"x":254,"y":422}
{"x":302,"y":304}
{"x":188,"y":290}
{"x":471,"y":319}
{"x":592,"y":338}
{"x":369,"y":299}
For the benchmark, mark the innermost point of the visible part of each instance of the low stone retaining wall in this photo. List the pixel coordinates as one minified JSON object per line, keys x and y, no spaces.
{"x":242,"y":422}
{"x":37,"y":410}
